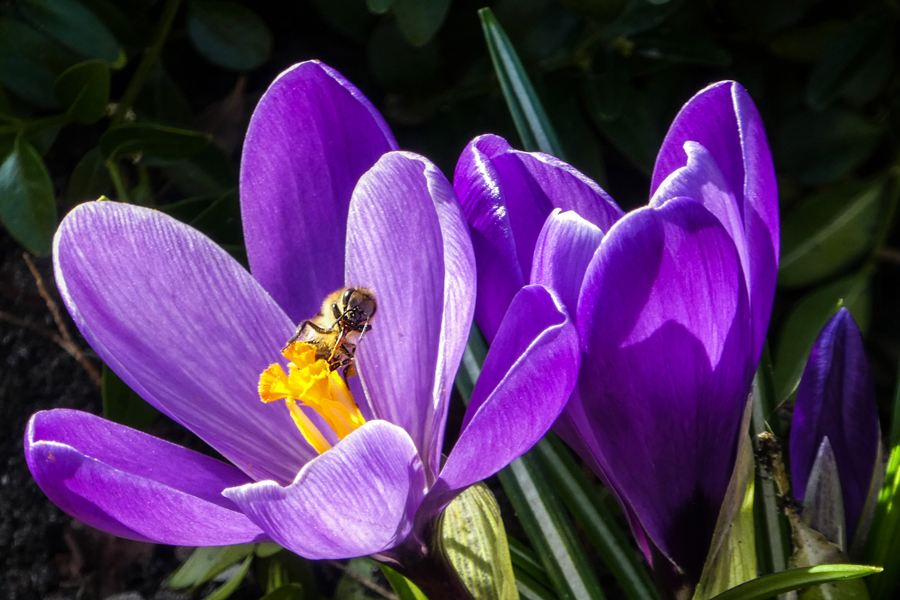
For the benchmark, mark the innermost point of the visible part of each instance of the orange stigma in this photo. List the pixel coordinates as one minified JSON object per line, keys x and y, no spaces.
{"x":311,"y":383}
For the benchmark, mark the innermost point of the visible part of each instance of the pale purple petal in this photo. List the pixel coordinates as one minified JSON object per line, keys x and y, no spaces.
{"x":356,"y":499}
{"x":528,"y":375}
{"x":563,"y":251}
{"x":182,"y":323}
{"x":836,"y":399}
{"x":133,"y":485}
{"x":311,"y":137}
{"x":665,"y":327}
{"x":409,"y":243}
{"x":723,"y":119}
{"x":507,"y":195}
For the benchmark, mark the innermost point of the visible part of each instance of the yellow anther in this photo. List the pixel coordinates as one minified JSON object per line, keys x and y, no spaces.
{"x":312,"y":384}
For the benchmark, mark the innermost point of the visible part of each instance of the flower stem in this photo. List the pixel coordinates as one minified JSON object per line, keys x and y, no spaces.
{"x":151,"y":54}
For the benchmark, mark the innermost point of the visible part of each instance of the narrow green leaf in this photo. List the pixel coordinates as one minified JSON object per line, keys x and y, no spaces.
{"x":228,"y":34}
{"x":84,"y":90}
{"x":844,"y":58}
{"x":595,"y":520}
{"x":72,"y":24}
{"x":527,"y":111}
{"x":206,"y":563}
{"x":549,"y":528}
{"x":830,"y":230}
{"x":27,"y":200}
{"x":152,"y":142}
{"x":807,"y":319}
{"x":771,"y":527}
{"x":403,"y":587}
{"x":795,"y":579}
{"x":473,"y":540}
{"x":229,"y":587}
{"x":123,"y":405}
{"x":883,"y":544}
{"x":90,"y":178}
{"x":291,"y":591}
{"x":531,"y":589}
{"x":419,"y":20}
{"x":351,"y":588}
{"x":524,"y":561}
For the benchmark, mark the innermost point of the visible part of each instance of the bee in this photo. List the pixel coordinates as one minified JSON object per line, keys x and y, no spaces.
{"x":337,"y":328}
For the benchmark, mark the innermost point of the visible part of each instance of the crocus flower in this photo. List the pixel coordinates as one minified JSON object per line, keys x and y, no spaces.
{"x":836,"y":407}
{"x":672,"y":303}
{"x":191,"y":330}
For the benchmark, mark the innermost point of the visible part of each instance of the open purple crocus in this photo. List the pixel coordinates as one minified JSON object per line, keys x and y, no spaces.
{"x":672,"y":303}
{"x":191,"y":330}
{"x":836,"y":419}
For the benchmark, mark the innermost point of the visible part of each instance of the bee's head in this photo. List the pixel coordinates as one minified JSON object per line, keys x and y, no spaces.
{"x":359,"y":306}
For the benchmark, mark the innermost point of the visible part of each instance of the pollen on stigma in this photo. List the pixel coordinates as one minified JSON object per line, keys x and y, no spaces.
{"x":311,"y":383}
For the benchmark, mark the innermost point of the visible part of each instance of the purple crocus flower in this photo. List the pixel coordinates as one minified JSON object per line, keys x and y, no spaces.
{"x":672,"y":303}
{"x":191,"y":330}
{"x":836,"y":401}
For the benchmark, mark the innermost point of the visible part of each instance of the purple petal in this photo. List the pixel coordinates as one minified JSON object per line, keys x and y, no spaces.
{"x":310,"y":139}
{"x":563,"y":251}
{"x":184,"y":325}
{"x":134,"y":485}
{"x":500,"y":276}
{"x":666,"y":369}
{"x":408,"y":242}
{"x":528,"y":375}
{"x":507,"y":195}
{"x":356,"y":499}
{"x":836,"y":399}
{"x":723,"y":119}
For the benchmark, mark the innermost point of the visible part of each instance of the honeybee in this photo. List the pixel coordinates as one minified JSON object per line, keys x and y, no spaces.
{"x":339,"y":325}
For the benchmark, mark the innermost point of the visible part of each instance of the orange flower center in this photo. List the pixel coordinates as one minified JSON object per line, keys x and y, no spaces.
{"x":311,"y":384}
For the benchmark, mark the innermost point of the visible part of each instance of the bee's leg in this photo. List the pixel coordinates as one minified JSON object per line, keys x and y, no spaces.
{"x":365,"y":328}
{"x":300,"y":329}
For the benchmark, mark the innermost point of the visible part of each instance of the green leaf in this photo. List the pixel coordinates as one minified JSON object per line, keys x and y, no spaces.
{"x":90,"y":178}
{"x":84,"y":89}
{"x":806,"y":320}
{"x":771,"y":527}
{"x":233,"y":582}
{"x":549,"y":528}
{"x":527,"y":111}
{"x":27,"y":200}
{"x":806,"y":44}
{"x":403,"y":587}
{"x":732,"y":554}
{"x":352,"y":588}
{"x":830,"y":230}
{"x":69,"y":22}
{"x":152,"y":142}
{"x":206,"y":563}
{"x":633,"y":132}
{"x":291,"y":591}
{"x":795,"y":579}
{"x":221,"y":220}
{"x":525,"y":562}
{"x":207,"y":172}
{"x":473,"y":540}
{"x":419,"y":20}
{"x":846,"y":56}
{"x":30,"y":62}
{"x":123,"y":405}
{"x":812,"y":549}
{"x":267,"y":549}
{"x":821,"y":147}
{"x":531,"y":589}
{"x":379,"y":6}
{"x":228,"y":34}
{"x":595,"y":520}
{"x":697,"y":51}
